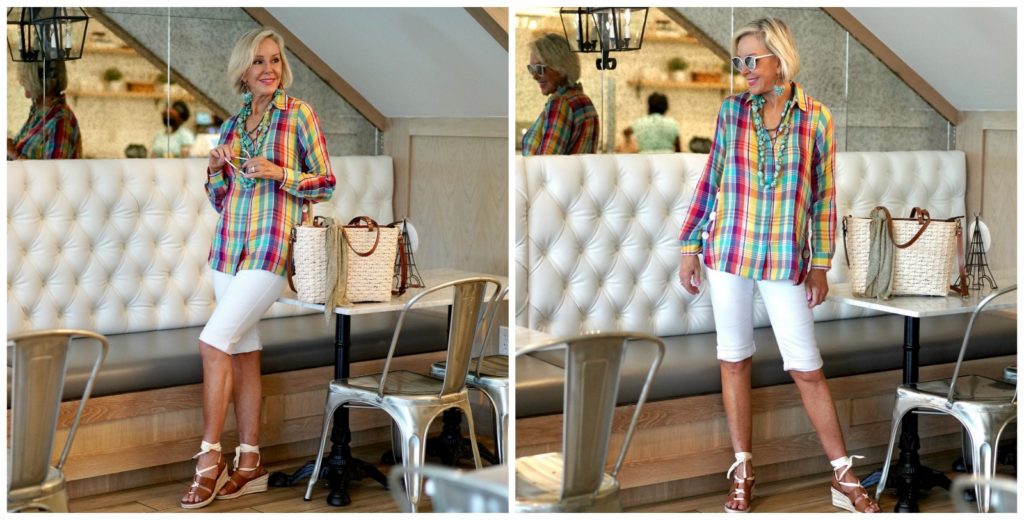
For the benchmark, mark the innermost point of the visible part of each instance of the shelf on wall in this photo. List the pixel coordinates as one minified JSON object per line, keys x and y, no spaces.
{"x":669,"y":38}
{"x":125,"y":94}
{"x":668,"y":84}
{"x":107,"y":49}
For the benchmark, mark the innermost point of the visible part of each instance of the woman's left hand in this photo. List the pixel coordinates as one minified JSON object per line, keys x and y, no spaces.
{"x":261,"y":168}
{"x":816,"y":286}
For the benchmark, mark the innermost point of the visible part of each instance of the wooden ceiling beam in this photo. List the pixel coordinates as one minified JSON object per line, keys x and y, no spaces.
{"x":321,"y":68}
{"x":890,"y":59}
{"x":494,"y":20}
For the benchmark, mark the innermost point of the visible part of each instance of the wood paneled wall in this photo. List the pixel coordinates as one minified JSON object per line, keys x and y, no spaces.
{"x":451,"y":181}
{"x":989,"y":139}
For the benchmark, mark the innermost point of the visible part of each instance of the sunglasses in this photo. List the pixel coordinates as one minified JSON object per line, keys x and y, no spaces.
{"x":536,"y":70}
{"x":748,"y":62}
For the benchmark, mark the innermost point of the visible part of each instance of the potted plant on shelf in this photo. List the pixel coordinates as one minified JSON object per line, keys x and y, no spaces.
{"x":677,"y":69}
{"x":113,"y":79}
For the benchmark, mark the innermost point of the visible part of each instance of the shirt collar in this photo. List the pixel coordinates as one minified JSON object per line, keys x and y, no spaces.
{"x":798,"y":94}
{"x":280,"y":99}
{"x":562,"y":90}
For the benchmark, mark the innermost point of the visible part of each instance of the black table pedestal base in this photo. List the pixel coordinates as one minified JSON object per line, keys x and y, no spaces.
{"x":450,"y":446}
{"x":339,"y":470}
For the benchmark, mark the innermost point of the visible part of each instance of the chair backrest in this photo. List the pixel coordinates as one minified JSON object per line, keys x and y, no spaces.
{"x":38,"y":362}
{"x":454,"y":491}
{"x":489,"y":329}
{"x":469,"y":311}
{"x":1002,"y":493}
{"x":592,"y":368}
{"x":967,"y":337}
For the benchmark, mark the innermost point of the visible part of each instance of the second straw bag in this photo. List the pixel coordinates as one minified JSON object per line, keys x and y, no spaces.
{"x":367,"y":262}
{"x":916,"y":252}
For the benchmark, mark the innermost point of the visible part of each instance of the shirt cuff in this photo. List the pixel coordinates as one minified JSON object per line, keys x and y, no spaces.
{"x":821,"y":263}
{"x":215,"y":179}
{"x":690,"y":248}
{"x":290,"y":182}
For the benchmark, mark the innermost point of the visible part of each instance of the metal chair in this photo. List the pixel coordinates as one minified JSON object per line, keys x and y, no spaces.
{"x":453,"y":491}
{"x":983,"y":406}
{"x":414,"y":400}
{"x":37,"y":366}
{"x":1002,"y":493}
{"x":574,"y":480}
{"x":490,"y":376}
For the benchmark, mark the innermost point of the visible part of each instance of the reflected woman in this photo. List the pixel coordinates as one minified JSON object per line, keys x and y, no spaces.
{"x":568,"y":125}
{"x":51,"y":131}
{"x":766,"y":202}
{"x":271,"y":156}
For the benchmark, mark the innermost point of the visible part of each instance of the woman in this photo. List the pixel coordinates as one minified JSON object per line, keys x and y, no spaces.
{"x":51,"y":131}
{"x":568,"y":125}
{"x":271,"y":156}
{"x":656,"y":133}
{"x":175,"y":139}
{"x":768,"y":178}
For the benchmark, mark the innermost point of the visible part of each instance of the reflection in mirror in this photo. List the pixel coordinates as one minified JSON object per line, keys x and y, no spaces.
{"x":672,"y":64}
{"x":120,"y":100}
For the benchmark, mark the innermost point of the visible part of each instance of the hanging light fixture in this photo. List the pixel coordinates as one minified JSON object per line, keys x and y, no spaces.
{"x":46,"y":33}
{"x":603,"y":30}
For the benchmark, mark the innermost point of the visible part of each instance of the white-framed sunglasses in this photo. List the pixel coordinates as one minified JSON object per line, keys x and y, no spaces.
{"x":536,"y":69}
{"x":750,"y":62}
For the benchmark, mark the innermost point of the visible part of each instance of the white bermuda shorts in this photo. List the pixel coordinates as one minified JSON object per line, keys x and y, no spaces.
{"x":732,"y":298}
{"x":242,"y":299}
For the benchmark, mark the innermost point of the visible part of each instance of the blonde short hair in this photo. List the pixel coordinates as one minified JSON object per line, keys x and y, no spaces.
{"x":775,"y":35}
{"x":245,"y":51}
{"x":554,"y":51}
{"x":31,"y":77}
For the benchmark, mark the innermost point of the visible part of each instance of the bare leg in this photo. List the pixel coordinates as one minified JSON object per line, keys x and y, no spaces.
{"x":248,"y":397}
{"x":736,"y":401}
{"x":817,"y":399}
{"x":217,"y":383}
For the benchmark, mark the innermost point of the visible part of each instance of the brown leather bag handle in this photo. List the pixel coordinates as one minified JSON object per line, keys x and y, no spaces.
{"x":371,"y":225}
{"x":924,"y":219}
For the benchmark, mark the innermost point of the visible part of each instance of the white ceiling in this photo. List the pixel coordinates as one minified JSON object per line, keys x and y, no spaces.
{"x":409,"y":62}
{"x":969,"y":55}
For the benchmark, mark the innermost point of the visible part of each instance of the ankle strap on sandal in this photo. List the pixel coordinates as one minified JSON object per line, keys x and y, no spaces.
{"x":205,"y":447}
{"x":846,"y":463}
{"x":741,"y":457}
{"x":246,"y":448}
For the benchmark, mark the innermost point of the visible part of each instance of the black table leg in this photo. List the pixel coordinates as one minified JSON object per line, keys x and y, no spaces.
{"x":908,"y":475}
{"x":339,"y":466}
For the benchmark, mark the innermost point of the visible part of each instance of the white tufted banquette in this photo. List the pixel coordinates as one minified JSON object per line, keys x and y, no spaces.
{"x":597,"y":235}
{"x":121,"y":246}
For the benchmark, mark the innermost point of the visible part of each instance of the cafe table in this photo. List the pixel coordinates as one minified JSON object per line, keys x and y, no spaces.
{"x":908,"y":474}
{"x":340,"y":467}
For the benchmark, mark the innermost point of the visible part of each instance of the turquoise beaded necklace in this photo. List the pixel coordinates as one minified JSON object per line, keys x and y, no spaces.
{"x":253,"y":146}
{"x":764,"y":141}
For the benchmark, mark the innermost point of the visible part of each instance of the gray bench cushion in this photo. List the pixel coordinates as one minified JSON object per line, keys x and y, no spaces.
{"x":165,"y":358}
{"x":848,"y":347}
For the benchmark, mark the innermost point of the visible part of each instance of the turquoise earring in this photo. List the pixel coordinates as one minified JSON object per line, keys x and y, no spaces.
{"x":779,"y":89}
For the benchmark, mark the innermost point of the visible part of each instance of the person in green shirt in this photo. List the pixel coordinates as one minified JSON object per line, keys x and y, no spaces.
{"x":654,"y":132}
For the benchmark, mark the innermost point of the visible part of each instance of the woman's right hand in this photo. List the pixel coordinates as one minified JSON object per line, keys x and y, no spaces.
{"x":219,"y":157}
{"x":689,"y":273}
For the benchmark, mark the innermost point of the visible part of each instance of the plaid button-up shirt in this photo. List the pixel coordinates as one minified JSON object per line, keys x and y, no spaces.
{"x":758,"y":233}
{"x":50,"y":135}
{"x":567,"y":126}
{"x":254,"y":224}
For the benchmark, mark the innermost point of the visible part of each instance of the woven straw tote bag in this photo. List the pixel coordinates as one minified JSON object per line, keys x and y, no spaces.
{"x":925,"y":249}
{"x":368,"y":261}
{"x":307,"y":257}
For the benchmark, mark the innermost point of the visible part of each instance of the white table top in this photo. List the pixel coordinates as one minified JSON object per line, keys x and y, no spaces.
{"x":927,"y":306}
{"x":526,"y":337}
{"x":431,"y":278}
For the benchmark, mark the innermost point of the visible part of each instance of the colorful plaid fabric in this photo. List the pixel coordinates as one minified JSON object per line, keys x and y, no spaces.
{"x":568,"y":125}
{"x":254,"y":224}
{"x":758,"y":233}
{"x":53,"y":135}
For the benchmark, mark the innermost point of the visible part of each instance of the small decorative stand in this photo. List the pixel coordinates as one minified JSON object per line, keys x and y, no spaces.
{"x":407,"y":276}
{"x":977,"y":262}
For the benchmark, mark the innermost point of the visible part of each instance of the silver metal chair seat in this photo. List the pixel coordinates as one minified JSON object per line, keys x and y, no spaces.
{"x":575,"y":479}
{"x":539,"y":485}
{"x":489,"y":375}
{"x":38,"y":361}
{"x":414,"y":400}
{"x":984,"y":407}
